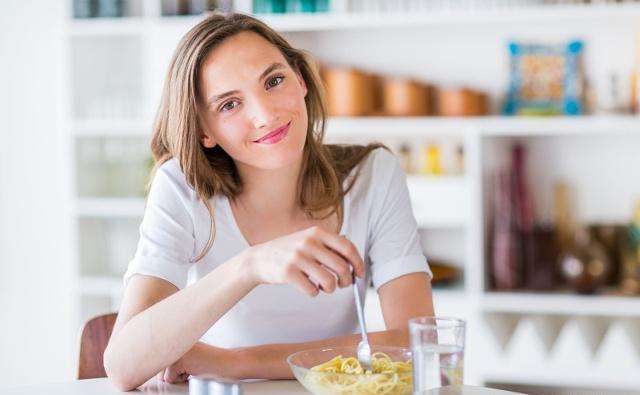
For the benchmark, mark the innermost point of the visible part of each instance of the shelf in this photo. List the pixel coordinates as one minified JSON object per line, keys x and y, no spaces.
{"x":318,"y":22}
{"x":565,"y":304}
{"x":451,"y":294}
{"x":108,"y":128}
{"x":110,"y":207}
{"x":438,"y":201}
{"x":407,"y":127}
{"x":178,"y":21}
{"x":371,"y":127}
{"x":578,"y":125}
{"x":562,"y":350}
{"x":589,"y":378}
{"x":106,"y":26}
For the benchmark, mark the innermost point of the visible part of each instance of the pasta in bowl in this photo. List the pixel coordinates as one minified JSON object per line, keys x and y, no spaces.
{"x":336,"y":371}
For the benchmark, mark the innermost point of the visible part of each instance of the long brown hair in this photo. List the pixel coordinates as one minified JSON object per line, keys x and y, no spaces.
{"x":211,"y":171}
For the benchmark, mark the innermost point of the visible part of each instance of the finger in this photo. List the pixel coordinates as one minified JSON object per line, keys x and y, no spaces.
{"x":325,"y":278}
{"x":344,"y":247}
{"x":333,"y":262}
{"x":302,"y":282}
{"x":166,"y":375}
{"x":171,"y":375}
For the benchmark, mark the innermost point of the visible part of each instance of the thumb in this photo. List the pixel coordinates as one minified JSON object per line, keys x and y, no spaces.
{"x":171,"y":374}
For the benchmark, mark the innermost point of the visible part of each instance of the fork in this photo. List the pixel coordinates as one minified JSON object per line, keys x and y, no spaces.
{"x":364,"y":349}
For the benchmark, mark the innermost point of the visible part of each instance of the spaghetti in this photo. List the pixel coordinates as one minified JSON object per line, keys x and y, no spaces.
{"x":345,"y":376}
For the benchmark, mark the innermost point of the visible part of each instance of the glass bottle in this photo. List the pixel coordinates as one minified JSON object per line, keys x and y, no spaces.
{"x":405,"y":158}
{"x":433,"y":160}
{"x":586,"y":265}
{"x":630,"y":256}
{"x":458,"y":167}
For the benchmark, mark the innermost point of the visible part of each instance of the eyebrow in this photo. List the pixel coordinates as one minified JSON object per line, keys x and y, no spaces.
{"x":273,"y":66}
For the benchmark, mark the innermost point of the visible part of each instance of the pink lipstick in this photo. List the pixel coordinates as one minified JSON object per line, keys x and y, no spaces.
{"x":275,"y":136}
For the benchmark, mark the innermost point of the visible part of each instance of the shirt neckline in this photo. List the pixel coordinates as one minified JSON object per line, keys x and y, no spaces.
{"x":238,"y":232}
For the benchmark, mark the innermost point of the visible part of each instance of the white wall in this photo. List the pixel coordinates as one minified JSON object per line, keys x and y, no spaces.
{"x":37,"y":330}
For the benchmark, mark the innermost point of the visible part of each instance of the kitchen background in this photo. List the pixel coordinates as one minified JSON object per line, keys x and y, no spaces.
{"x":516,"y":120}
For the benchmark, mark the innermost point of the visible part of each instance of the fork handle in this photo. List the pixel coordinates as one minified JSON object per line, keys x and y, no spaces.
{"x":363,"y":326}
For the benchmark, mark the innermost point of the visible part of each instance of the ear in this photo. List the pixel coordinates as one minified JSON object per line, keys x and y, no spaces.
{"x":303,"y":84}
{"x":207,"y":141}
{"x":206,"y":138}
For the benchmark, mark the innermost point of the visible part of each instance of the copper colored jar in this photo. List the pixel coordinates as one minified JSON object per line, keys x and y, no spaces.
{"x":461,"y":103}
{"x":373,"y":95}
{"x":349,"y":92}
{"x":404,"y":97}
{"x":483,"y":103}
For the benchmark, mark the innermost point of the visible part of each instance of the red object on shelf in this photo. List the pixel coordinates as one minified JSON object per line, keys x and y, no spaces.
{"x":506,"y":263}
{"x":523,"y":215}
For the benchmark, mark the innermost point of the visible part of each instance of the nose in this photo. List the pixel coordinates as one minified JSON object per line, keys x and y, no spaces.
{"x":262,"y":112}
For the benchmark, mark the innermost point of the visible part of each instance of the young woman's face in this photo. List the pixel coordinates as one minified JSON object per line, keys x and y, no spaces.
{"x":254,"y":104}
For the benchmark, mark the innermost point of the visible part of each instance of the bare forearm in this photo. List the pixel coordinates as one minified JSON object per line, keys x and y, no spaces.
{"x":161,"y":334}
{"x":269,"y":361}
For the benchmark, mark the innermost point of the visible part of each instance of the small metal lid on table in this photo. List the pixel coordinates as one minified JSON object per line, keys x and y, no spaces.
{"x":211,"y":386}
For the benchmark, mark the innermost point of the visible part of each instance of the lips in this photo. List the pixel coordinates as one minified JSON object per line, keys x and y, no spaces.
{"x":274,"y":136}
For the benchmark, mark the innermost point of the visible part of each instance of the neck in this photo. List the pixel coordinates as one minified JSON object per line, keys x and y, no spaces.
{"x":270,"y":191}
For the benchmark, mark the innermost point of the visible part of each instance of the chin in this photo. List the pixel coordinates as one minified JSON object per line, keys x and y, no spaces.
{"x":280,"y":160}
{"x":283,"y":154}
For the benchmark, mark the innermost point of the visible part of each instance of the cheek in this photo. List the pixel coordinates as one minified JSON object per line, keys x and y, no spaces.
{"x":293,"y":99}
{"x":296,"y":109}
{"x":230,"y":134}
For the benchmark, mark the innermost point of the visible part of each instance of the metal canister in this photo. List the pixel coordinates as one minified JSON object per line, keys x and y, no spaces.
{"x":209,"y":386}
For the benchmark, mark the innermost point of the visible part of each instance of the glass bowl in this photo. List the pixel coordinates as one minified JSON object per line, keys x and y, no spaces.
{"x":367,"y":383}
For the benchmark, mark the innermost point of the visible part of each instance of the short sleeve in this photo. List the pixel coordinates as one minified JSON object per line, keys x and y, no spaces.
{"x":395,"y":248}
{"x":166,"y":242}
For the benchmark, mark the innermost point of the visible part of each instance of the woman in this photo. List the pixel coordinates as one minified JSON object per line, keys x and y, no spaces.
{"x":253,"y":227}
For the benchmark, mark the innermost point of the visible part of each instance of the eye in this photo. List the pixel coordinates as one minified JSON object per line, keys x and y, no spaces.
{"x":227,"y":106}
{"x":275,"y":81}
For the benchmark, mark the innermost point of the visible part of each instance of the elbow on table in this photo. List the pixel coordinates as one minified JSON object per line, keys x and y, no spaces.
{"x":117,"y":374}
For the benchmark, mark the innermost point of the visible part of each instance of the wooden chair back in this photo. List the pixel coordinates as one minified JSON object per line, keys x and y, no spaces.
{"x":93,"y":341}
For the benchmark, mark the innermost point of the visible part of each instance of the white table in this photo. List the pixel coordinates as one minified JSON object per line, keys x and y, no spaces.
{"x":282,"y":387}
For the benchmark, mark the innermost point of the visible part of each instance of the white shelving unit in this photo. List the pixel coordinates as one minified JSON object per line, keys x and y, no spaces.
{"x":438,"y":202}
{"x":561,"y":304}
{"x":110,"y":128}
{"x":368,"y":20}
{"x":520,"y":338}
{"x":383,"y":19}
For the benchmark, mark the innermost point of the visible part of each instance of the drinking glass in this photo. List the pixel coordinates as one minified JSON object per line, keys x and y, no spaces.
{"x":437,"y":351}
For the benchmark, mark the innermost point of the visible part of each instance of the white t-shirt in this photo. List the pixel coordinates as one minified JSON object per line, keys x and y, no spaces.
{"x":377,"y":218}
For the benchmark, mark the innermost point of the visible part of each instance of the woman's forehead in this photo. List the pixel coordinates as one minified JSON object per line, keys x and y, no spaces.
{"x":245,"y":54}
